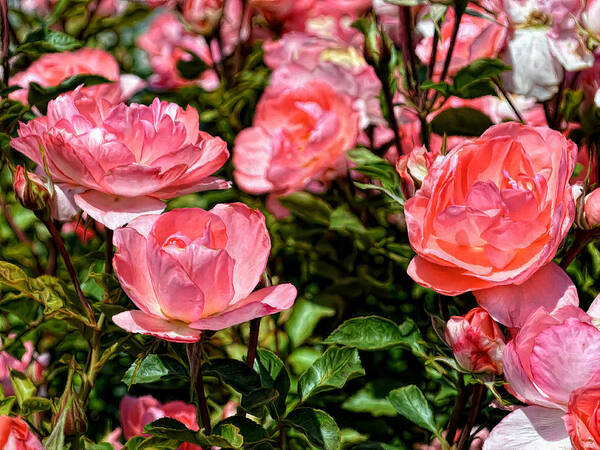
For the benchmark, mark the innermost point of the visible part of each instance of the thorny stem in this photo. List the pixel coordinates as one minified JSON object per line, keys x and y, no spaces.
{"x":67,"y":260}
{"x":194,"y":352}
{"x":409,"y":53}
{"x":478,"y":392}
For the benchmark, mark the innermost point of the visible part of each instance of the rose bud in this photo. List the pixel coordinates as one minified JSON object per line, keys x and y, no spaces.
{"x":30,"y":190}
{"x":203,"y":15}
{"x":476,"y":341}
{"x":591,"y":208}
{"x":16,"y":435}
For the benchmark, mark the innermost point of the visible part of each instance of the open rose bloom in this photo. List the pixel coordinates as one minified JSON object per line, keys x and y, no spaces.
{"x":116,"y":162}
{"x":16,"y":435}
{"x":190,"y":270}
{"x":491,"y":214}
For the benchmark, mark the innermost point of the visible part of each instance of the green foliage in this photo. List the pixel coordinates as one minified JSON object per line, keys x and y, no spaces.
{"x":461,"y":121}
{"x":317,"y":426}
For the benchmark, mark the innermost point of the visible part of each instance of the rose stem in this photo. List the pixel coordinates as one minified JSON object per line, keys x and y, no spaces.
{"x":194,"y":352}
{"x":478,"y":392}
{"x":108,"y":267}
{"x":65,"y":256}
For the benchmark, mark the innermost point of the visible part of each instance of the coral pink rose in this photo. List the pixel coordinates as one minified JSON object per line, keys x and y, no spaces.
{"x":477,"y":38}
{"x":190,"y":270}
{"x":16,"y":435}
{"x":476,"y":341}
{"x":301,"y":131}
{"x":139,"y":412}
{"x":53,"y":68}
{"x":583,"y":416}
{"x":119,"y":161}
{"x":279,"y":10}
{"x":104,"y":8}
{"x":551,"y":358}
{"x":492,"y":213}
{"x":167,"y":43}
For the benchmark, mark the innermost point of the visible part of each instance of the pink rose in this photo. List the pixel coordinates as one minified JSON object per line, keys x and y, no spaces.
{"x":53,"y":68}
{"x":104,"y":9}
{"x":16,"y":435}
{"x":167,"y":42}
{"x":279,"y":10}
{"x":491,"y":214}
{"x":9,"y":362}
{"x":413,"y":168}
{"x":591,"y":209}
{"x":477,"y":38}
{"x":302,"y":129}
{"x":476,"y":341}
{"x":583,"y":416}
{"x":117,"y":162}
{"x":190,"y":270}
{"x":139,"y":412}
{"x":203,"y":15}
{"x":546,"y":365}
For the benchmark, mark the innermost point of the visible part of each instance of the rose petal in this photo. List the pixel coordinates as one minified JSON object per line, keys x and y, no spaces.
{"x":139,"y":322}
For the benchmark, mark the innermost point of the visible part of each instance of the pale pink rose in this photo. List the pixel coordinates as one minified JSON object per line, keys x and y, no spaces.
{"x":138,"y":412}
{"x":16,"y":435}
{"x":167,"y":42}
{"x":583,"y":416}
{"x":591,"y":18}
{"x":203,"y":15}
{"x":491,"y":214}
{"x":53,"y":68}
{"x":116,"y":162}
{"x":477,"y":38}
{"x":339,"y":8}
{"x":476,"y":341}
{"x":190,"y":270}
{"x":592,"y":208}
{"x":332,"y":60}
{"x":551,"y":358}
{"x":301,"y":131}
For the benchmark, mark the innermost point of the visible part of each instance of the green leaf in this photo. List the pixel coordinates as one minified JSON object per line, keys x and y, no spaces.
{"x":250,"y":430}
{"x":44,"y":40}
{"x":191,"y":68}
{"x":230,"y":433}
{"x":39,"y":96}
{"x":23,"y":387}
{"x":304,"y":318}
{"x":571,"y":101}
{"x":273,"y":375}
{"x":6,"y":405}
{"x":412,"y":404}
{"x":168,"y":428}
{"x":35,"y":405}
{"x":99,"y":446}
{"x":461,"y":122}
{"x":148,"y":370}
{"x":234,"y":373}
{"x":318,"y":427}
{"x":370,"y":400}
{"x":343,"y":219}
{"x":330,"y":371}
{"x":56,"y":440}
{"x":480,"y":69}
{"x":442,"y":87}
{"x":367,"y":333}
{"x":257,"y":398}
{"x":308,"y":207}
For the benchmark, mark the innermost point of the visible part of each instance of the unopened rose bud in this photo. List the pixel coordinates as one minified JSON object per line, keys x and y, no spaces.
{"x":413,"y":169}
{"x":30,"y":190}
{"x":476,"y":341}
{"x":203,"y":15}
{"x":591,"y":208}
{"x":75,"y":421}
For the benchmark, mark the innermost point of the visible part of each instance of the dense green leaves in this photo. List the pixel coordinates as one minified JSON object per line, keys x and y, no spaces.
{"x":412,"y":404}
{"x":331,"y":371}
{"x":367,"y":333}
{"x":45,"y":40}
{"x":308,"y":207}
